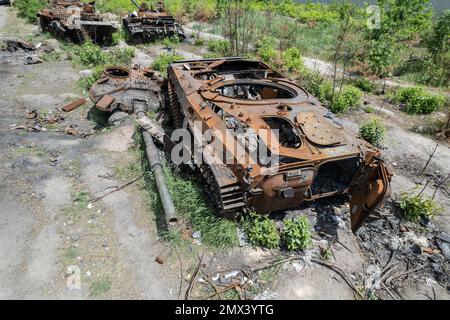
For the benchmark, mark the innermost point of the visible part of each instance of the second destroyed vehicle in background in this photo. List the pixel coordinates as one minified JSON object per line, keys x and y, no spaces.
{"x":76,"y":21}
{"x":317,"y":156}
{"x":149,"y":24}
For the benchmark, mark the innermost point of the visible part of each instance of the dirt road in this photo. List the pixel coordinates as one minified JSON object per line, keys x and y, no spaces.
{"x":46,"y":178}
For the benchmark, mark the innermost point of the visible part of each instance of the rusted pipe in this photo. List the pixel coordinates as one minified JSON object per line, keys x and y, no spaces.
{"x":157,"y":169}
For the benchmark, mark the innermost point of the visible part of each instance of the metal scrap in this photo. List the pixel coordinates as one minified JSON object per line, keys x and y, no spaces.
{"x":73,"y":105}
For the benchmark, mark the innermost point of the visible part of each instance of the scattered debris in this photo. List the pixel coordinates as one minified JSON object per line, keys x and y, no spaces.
{"x":162,"y":258}
{"x":19,"y":45}
{"x":73,"y":105}
{"x":34,"y":59}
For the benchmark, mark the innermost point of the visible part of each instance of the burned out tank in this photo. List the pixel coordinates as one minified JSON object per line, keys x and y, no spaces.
{"x":149,"y":24}
{"x":76,"y":21}
{"x":266,"y":144}
{"x":122,"y":89}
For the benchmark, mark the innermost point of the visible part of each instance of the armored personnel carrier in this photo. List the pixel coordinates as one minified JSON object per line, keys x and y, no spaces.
{"x":76,"y":21}
{"x":148,"y":23}
{"x":242,"y":112}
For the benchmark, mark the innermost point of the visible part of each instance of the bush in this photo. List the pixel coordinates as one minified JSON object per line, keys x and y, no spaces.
{"x":417,"y":100}
{"x":89,"y":54}
{"x":364,"y":84}
{"x":163,"y":61}
{"x":417,"y":207}
{"x":349,"y":97}
{"x":85,"y":83}
{"x":219,"y":48}
{"x":292,"y":59}
{"x":261,"y":231}
{"x":315,"y":83}
{"x":171,"y":42}
{"x":373,"y":131}
{"x":266,"y":49}
{"x":297,"y":234}
{"x":121,"y":56}
{"x":28,"y":9}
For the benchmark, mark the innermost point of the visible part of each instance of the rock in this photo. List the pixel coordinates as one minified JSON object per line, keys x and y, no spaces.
{"x":86,"y":73}
{"x":117,"y":117}
{"x":75,"y":237}
{"x":445,"y":248}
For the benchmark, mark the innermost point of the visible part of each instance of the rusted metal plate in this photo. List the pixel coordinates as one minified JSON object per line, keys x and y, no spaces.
{"x":318,"y":129}
{"x":74,"y":105}
{"x":105,"y":102}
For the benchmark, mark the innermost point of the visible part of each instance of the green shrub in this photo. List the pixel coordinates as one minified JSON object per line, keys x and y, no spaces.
{"x":266,"y":49}
{"x":315,"y":83}
{"x":163,"y":61}
{"x":417,"y":207}
{"x":261,"y":231}
{"x":364,"y":84}
{"x":28,"y":9}
{"x":85,"y":84}
{"x":297,"y":234}
{"x":122,"y":57}
{"x":369,"y":109}
{"x":417,"y":100}
{"x":349,"y":97}
{"x":219,"y":48}
{"x":89,"y":54}
{"x":292,"y":59}
{"x":373,"y":131}
{"x":171,"y":42}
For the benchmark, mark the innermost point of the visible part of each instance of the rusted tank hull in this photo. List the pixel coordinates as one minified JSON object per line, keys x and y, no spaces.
{"x":76,"y":21}
{"x":148,"y":30}
{"x":316,"y":156}
{"x":99,"y":33}
{"x":150,"y":24}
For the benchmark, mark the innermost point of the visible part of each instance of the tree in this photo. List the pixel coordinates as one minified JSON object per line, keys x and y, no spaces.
{"x":400,"y":20}
{"x":438,"y":47}
{"x":346,"y":12}
{"x":239,"y":24}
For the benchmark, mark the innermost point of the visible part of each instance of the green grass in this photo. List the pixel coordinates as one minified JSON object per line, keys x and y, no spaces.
{"x":70,"y":256}
{"x":191,"y":205}
{"x":99,"y":288}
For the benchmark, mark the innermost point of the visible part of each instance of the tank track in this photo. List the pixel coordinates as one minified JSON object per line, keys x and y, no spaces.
{"x":227,"y":196}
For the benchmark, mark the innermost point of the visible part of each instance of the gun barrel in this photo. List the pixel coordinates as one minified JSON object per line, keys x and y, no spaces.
{"x":135,"y":3}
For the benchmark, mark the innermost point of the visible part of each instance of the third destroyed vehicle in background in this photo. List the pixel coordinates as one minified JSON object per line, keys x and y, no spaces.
{"x":318,"y":157}
{"x":149,"y":24}
{"x":76,"y":21}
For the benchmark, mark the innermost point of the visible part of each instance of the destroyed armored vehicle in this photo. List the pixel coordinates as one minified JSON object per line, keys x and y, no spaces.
{"x":246,"y":106}
{"x":121,"y":89}
{"x":76,"y":21}
{"x":149,"y":24}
